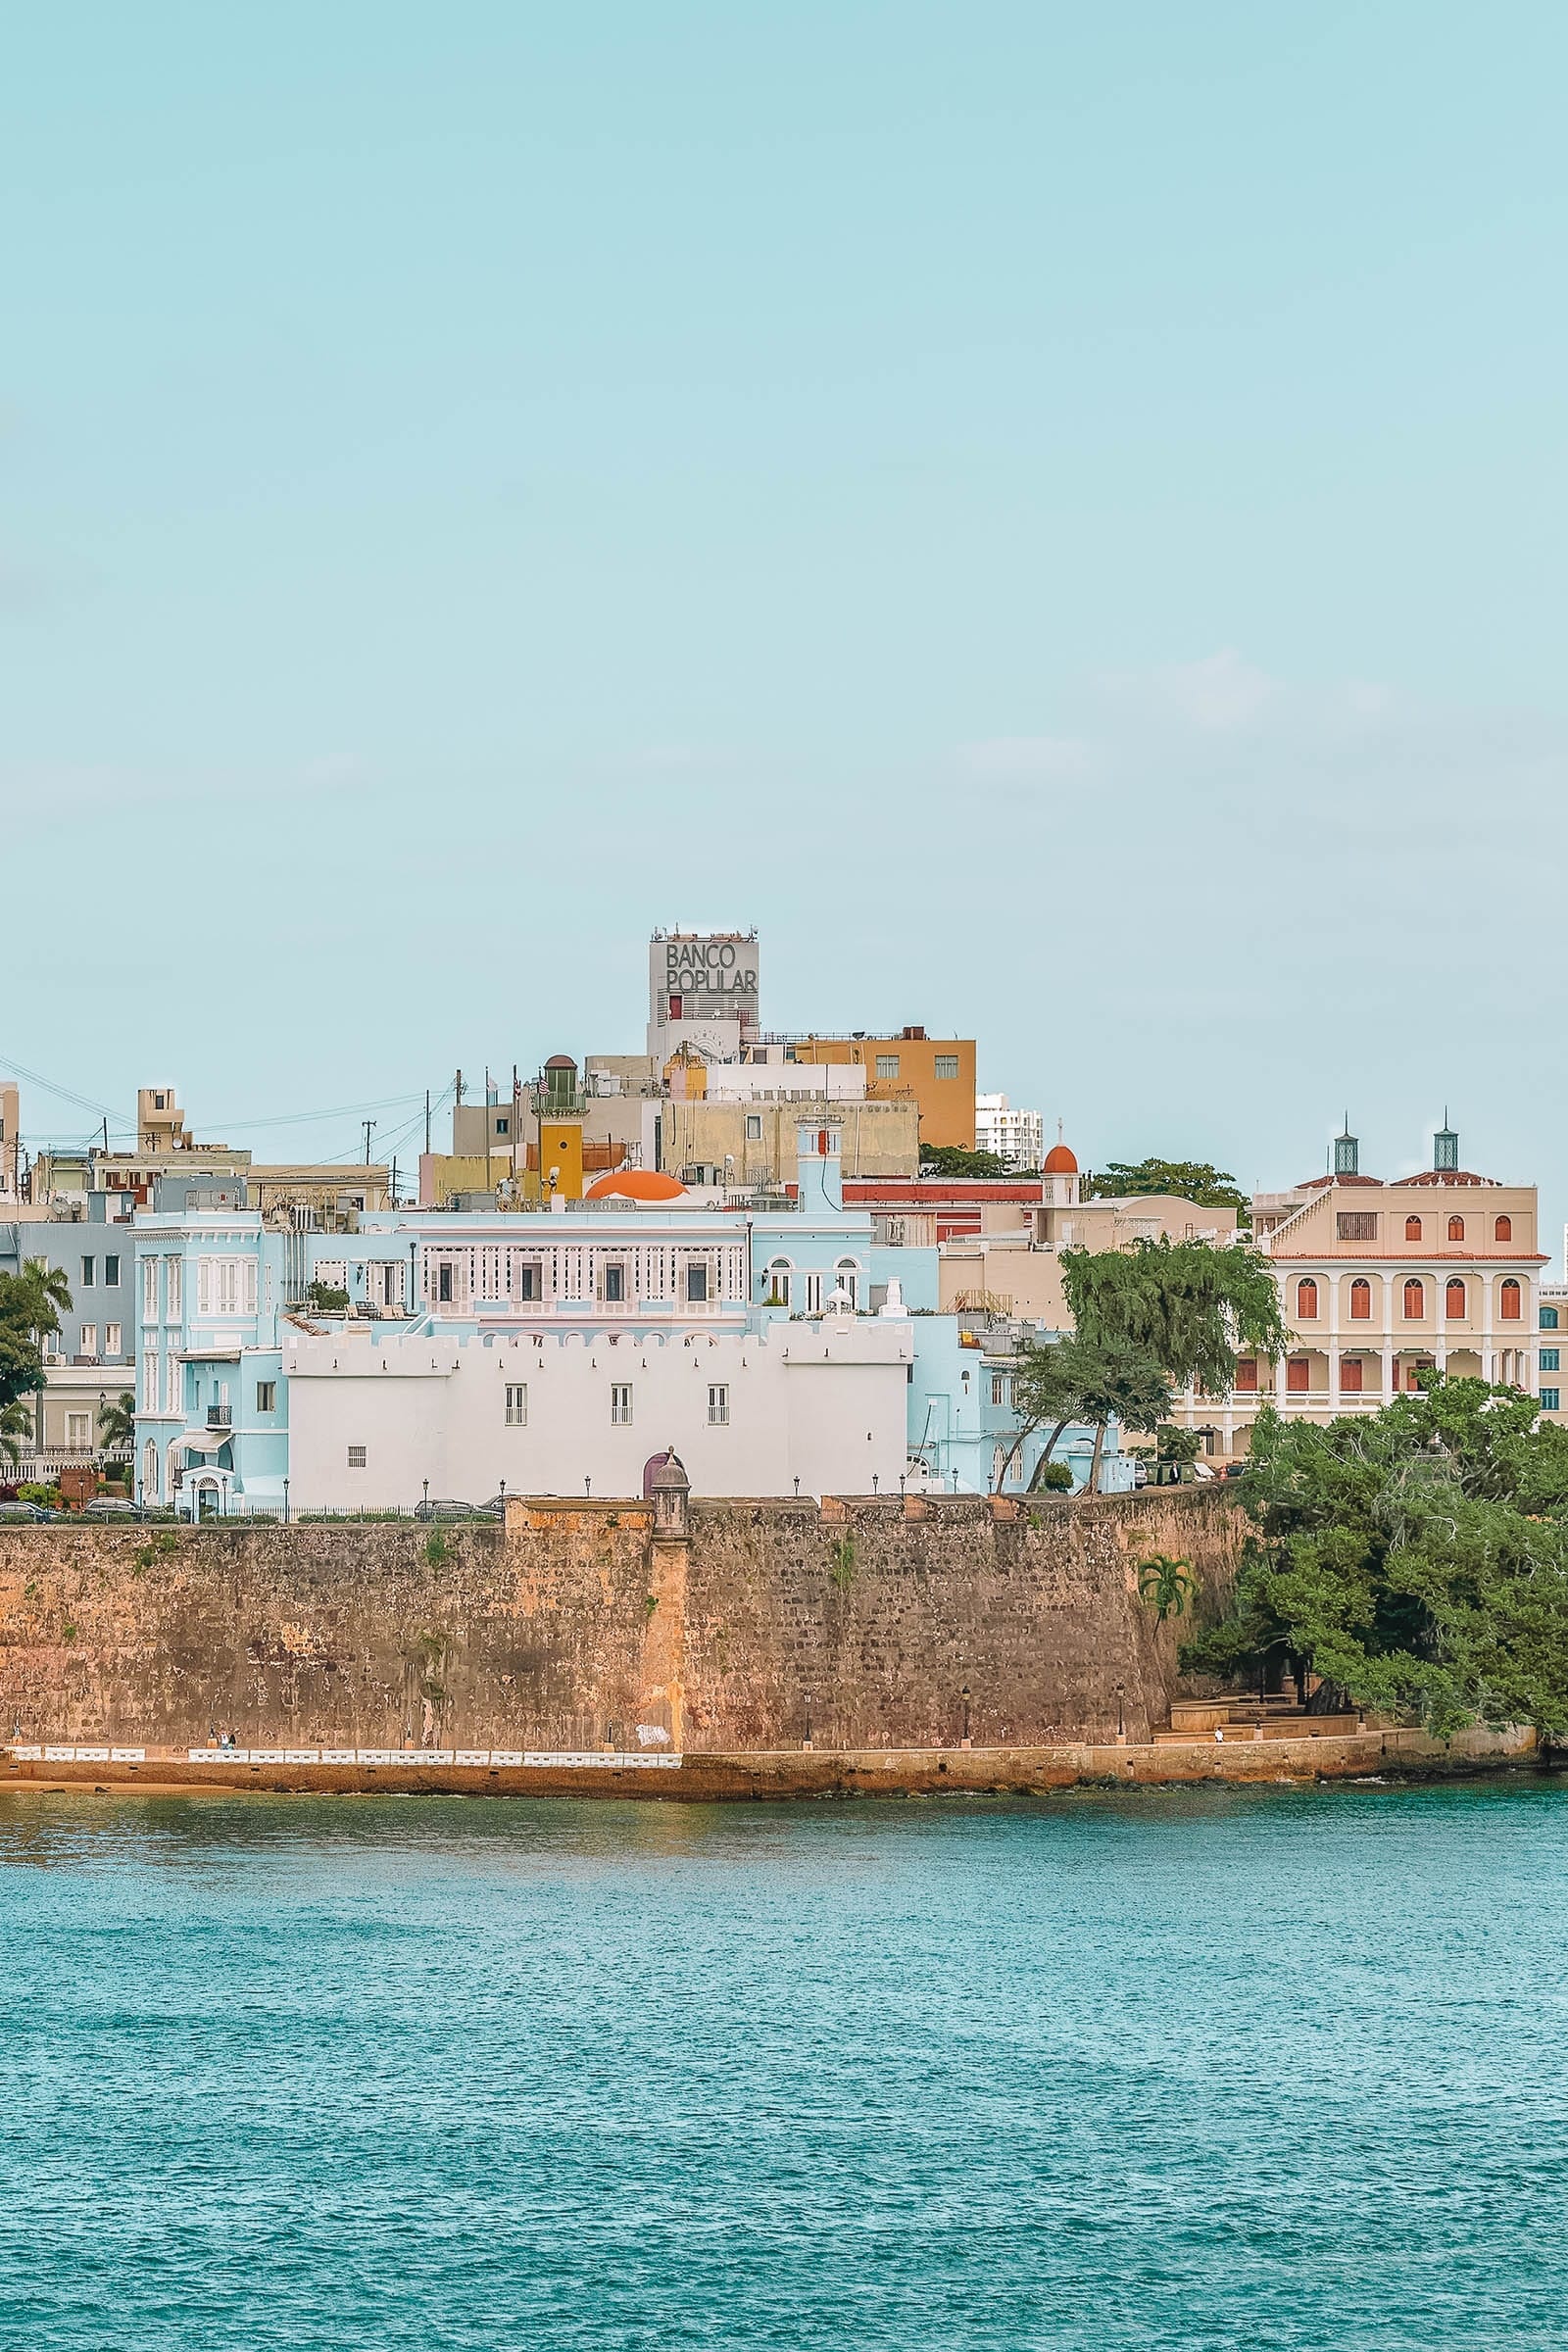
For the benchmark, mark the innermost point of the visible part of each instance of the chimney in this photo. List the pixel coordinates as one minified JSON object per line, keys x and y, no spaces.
{"x":820,"y":1171}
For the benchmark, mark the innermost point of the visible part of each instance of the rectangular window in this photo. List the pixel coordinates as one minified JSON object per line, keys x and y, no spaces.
{"x":1297,"y":1376}
{"x":1548,"y":1399}
{"x":79,"y":1431}
{"x":620,"y":1404}
{"x":1548,"y":1359}
{"x":518,"y":1404}
{"x":813,"y":1294}
{"x":88,"y":1265}
{"x":1246,"y":1376}
{"x":697,"y":1286}
{"x":753,"y":1126}
{"x":1357,"y":1225}
{"x":887,"y":1065}
{"x":149,"y":1285}
{"x":718,"y":1407}
{"x":149,"y":1382}
{"x":113,"y":1340}
{"x":947,"y":1065}
{"x":531,"y":1281}
{"x":357,"y":1458}
{"x":443,"y":1286}
{"x":503,"y":1127}
{"x":111,"y":1270}
{"x":266,"y":1395}
{"x":615,"y":1285}
{"x":998,"y":1387}
{"x":89,"y":1338}
{"x":1350,"y":1376}
{"x":174,"y":1289}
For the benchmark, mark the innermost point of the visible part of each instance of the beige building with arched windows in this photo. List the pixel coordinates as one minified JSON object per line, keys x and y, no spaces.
{"x":1378,"y":1281}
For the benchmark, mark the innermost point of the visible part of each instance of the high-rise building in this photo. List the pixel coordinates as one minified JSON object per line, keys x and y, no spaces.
{"x":1016,"y":1136}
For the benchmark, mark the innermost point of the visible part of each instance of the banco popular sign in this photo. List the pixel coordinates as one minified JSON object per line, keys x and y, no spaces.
{"x":714,"y":966}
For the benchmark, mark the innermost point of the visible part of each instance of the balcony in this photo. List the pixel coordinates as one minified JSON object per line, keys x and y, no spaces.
{"x":219,"y":1416}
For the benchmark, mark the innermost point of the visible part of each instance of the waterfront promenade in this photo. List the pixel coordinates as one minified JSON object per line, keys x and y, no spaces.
{"x":771,"y":1773}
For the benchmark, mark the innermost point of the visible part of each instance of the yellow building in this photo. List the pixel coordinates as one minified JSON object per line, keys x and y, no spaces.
{"x":935,"y":1073}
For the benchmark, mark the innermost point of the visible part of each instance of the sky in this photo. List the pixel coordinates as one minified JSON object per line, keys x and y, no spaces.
{"x":1054,"y":514}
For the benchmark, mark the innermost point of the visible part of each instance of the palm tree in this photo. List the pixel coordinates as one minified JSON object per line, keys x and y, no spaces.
{"x":16,"y":1423}
{"x":1167,"y":1585}
{"x":117,"y":1420}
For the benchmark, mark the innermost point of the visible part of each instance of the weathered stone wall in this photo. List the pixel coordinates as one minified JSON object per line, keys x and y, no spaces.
{"x":573,"y":1625}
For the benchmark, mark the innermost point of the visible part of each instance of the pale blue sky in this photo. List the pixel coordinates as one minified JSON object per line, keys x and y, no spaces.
{"x":1055,"y":514}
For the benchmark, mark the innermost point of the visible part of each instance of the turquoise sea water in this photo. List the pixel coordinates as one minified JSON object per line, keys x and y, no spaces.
{"x":1186,"y":2071}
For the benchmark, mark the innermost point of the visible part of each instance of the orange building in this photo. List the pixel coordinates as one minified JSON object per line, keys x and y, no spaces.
{"x":936,"y":1073}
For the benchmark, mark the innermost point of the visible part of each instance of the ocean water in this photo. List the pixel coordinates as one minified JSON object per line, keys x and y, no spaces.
{"x":1188,"y":2071}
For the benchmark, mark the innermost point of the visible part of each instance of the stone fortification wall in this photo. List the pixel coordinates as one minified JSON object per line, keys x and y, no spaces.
{"x":572,"y":1627}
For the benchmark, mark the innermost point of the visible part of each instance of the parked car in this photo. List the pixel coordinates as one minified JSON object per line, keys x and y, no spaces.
{"x":110,"y":1506}
{"x":449,"y":1510}
{"x":25,"y":1514}
{"x":497,"y":1507}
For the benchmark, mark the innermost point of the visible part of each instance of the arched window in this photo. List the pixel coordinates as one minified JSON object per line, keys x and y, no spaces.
{"x":1457,"y":1229}
{"x":1549,"y":1318}
{"x":1361,"y":1300}
{"x":1508,"y":1301}
{"x":849,"y":1279}
{"x":1454,"y":1305}
{"x":776,"y":1282}
{"x":1502,"y":1230}
{"x":149,"y":1472}
{"x":1412,"y":1229}
{"x":1415,"y":1299}
{"x":1306,"y":1296}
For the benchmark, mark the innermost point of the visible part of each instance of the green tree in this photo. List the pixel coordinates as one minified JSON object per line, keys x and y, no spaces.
{"x":952,"y":1159}
{"x":1166,"y":1584}
{"x":1183,"y":1304}
{"x":117,"y":1420}
{"x":1188,"y":1179}
{"x":31,"y":1304}
{"x":1088,"y":1382}
{"x":1175,"y":1445}
{"x":1416,"y":1558}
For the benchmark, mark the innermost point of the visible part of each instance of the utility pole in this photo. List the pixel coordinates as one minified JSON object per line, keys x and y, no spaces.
{"x":489,"y":1123}
{"x":458,"y":1082}
{"x":516,"y":1102}
{"x":427,"y":1120}
{"x":368,"y":1124}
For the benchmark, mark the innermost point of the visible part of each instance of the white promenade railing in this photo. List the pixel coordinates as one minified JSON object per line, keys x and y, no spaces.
{"x":481,"y":1758}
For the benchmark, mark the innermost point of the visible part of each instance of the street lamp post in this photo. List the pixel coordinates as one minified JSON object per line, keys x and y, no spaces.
{"x":285,"y":1502}
{"x":965,"y":1741}
{"x":1121,"y":1715}
{"x":807,"y":1741}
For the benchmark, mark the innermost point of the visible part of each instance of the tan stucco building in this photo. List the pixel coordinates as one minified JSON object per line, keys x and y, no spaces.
{"x":1379,"y":1279}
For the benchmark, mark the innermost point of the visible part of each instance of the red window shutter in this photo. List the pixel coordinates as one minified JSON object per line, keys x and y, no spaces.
{"x":1297,"y":1376}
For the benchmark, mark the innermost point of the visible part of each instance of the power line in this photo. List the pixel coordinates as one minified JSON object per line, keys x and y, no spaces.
{"x":62,"y":1094}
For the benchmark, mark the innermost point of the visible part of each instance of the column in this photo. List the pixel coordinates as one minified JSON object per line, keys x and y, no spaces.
{"x":1488,"y":1361}
{"x":1334,"y":1340}
{"x":1388,"y":1337}
{"x":1439,"y":1316}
